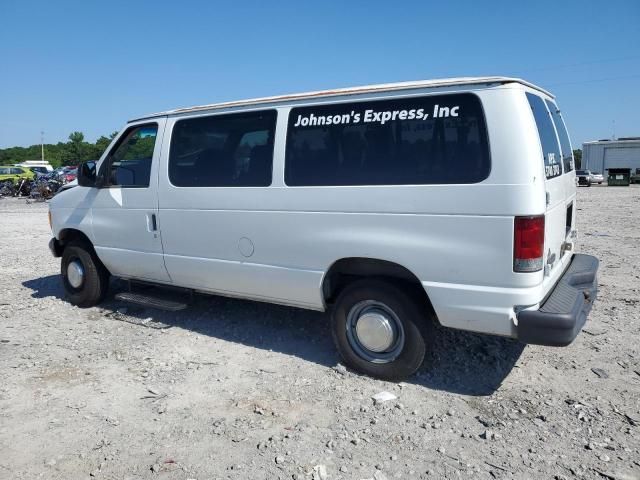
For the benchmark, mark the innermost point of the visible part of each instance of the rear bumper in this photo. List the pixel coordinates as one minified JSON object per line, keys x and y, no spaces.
{"x":55,"y":247}
{"x":563,"y":314}
{"x":583,"y":181}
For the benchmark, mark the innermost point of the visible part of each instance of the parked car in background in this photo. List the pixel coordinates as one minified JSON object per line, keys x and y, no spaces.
{"x":36,"y":166}
{"x":596,"y":177}
{"x":14,"y":174}
{"x":39,"y":170}
{"x":70,"y":174}
{"x":67,"y":186}
{"x":66,"y":174}
{"x":584,"y":178}
{"x":587,"y":177}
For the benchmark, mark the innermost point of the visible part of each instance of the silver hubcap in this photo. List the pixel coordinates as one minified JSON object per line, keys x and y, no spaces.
{"x":375,"y":332}
{"x":75,"y":274}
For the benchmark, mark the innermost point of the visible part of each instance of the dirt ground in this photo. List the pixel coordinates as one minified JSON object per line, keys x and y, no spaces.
{"x":245,"y":390}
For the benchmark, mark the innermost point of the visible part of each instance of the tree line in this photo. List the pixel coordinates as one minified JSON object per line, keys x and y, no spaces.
{"x":577,"y":156}
{"x":73,"y":152}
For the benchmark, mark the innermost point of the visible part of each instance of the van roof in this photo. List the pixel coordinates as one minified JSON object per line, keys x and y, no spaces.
{"x":442,"y":82}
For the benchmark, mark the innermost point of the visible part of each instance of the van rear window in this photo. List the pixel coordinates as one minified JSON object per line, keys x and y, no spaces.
{"x":547,"y":134}
{"x":565,"y":144}
{"x":425,"y":140}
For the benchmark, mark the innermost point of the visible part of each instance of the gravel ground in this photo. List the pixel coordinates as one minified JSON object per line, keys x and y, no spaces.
{"x":237,"y":389}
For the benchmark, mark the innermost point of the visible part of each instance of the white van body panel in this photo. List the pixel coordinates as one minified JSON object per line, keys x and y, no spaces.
{"x":277,"y":243}
{"x":73,"y":212}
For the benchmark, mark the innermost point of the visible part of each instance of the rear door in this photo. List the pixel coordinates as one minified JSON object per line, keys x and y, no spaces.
{"x":559,"y":210}
{"x":568,"y":164}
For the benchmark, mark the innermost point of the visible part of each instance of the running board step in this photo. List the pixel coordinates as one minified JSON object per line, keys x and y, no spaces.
{"x":150,"y":302}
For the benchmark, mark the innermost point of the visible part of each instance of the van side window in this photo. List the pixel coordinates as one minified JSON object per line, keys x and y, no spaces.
{"x":547,"y":134}
{"x":565,"y":144}
{"x":129,"y":162}
{"x":438,"y":139}
{"x":234,"y":150}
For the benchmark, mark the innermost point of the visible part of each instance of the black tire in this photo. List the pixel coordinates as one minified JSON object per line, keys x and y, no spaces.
{"x":96,"y":277}
{"x":416,"y":327}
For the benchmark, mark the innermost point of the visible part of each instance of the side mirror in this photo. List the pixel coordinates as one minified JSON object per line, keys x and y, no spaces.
{"x":87,"y":174}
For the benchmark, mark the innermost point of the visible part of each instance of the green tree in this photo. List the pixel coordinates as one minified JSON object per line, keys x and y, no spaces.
{"x":76,"y":137}
{"x":101,"y":144}
{"x":577,"y":156}
{"x":74,"y":151}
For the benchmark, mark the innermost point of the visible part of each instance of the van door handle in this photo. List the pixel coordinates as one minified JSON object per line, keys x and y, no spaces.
{"x":152,"y":224}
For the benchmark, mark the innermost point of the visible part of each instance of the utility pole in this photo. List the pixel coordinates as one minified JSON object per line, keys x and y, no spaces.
{"x":614,"y":131}
{"x":42,"y":145}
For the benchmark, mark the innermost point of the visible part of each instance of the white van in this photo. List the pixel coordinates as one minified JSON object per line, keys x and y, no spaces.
{"x":39,"y":166}
{"x":393,"y":206}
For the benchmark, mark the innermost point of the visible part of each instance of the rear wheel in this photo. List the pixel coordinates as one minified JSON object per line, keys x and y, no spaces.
{"x":85,"y":279}
{"x":380,"y":330}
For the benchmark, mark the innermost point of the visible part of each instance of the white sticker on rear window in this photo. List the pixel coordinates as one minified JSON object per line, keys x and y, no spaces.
{"x":551,"y":168}
{"x":377,"y":116}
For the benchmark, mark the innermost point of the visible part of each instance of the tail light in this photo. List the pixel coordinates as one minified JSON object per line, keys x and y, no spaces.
{"x":528,"y":244}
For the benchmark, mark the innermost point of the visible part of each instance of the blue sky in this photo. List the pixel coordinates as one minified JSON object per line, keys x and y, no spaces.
{"x":90,"y":66}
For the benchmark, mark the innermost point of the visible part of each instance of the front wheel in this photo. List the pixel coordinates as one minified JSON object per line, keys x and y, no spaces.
{"x":85,"y":279}
{"x":378,"y":330}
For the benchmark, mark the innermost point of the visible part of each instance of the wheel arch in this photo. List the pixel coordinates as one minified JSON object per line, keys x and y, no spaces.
{"x":346,"y":270}
{"x":67,"y":236}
